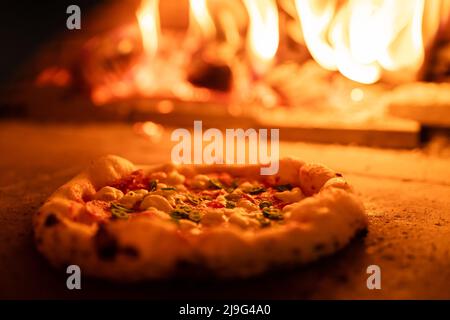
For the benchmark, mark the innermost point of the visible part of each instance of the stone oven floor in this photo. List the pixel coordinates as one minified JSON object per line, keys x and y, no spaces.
{"x":406,"y":193}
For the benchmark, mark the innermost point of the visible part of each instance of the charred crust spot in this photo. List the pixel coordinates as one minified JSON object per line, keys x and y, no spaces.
{"x":107,"y":252}
{"x":106,"y":244}
{"x":339,"y":174}
{"x":51,"y":220}
{"x":130,"y":252}
{"x":362,"y":233}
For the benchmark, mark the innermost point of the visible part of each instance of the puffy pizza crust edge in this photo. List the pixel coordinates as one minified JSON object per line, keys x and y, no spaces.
{"x":150,"y":249}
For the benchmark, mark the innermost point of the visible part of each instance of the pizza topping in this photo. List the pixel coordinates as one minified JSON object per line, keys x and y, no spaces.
{"x":292,"y":196}
{"x":169,"y":189}
{"x":249,"y":198}
{"x":152,"y":185}
{"x":132,"y":198}
{"x":160,"y":186}
{"x":180,"y":213}
{"x":230,"y":204}
{"x":246,"y":204}
{"x":246,"y":186}
{"x":283,"y":187}
{"x":203,"y":200}
{"x":205,"y":197}
{"x":215,"y":184}
{"x":200,"y":181}
{"x":108,"y":194}
{"x":193,"y":199}
{"x":158,"y":176}
{"x":239,"y":219}
{"x":174,"y":178}
{"x":257,"y":190}
{"x":227,"y":180}
{"x":265,"y":204}
{"x":170,"y":193}
{"x":151,"y":213}
{"x":234,"y":196}
{"x":221,"y":199}
{"x":215,"y":204}
{"x":272,"y":213}
{"x":213,"y":218}
{"x":134,"y":181}
{"x":187,"y":213}
{"x":119,"y":212}
{"x":263,"y":222}
{"x":195,"y":215}
{"x":157,"y":202}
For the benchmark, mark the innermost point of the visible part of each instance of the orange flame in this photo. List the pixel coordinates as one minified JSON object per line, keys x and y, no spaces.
{"x":148,"y":19}
{"x":200,"y":20}
{"x":362,"y":38}
{"x":263,"y":34}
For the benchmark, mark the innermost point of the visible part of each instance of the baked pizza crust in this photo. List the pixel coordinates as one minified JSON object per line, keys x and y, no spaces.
{"x":145,"y":248}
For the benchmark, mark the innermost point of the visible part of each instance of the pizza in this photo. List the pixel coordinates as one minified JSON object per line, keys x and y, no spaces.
{"x":125,"y":222}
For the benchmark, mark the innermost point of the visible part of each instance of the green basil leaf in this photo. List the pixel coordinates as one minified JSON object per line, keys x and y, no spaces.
{"x":264,"y":222}
{"x":119,"y":214}
{"x":192,"y":199}
{"x":283,"y":187}
{"x":120,"y":207}
{"x":152,"y":185}
{"x":169,"y":188}
{"x":265,"y":204}
{"x":215,"y":184}
{"x":230,"y":204}
{"x":179,"y":214}
{"x":272,"y":213}
{"x":257,"y":190}
{"x":195,"y":216}
{"x":233,"y":197}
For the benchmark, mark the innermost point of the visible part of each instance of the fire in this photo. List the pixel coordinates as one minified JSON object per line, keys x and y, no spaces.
{"x":362,"y":38}
{"x":148,"y":19}
{"x":200,"y":19}
{"x":263,"y":34}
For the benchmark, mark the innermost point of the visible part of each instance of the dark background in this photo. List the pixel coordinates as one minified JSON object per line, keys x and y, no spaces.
{"x":26,"y":25}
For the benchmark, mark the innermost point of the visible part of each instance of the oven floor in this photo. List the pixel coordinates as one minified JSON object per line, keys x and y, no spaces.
{"x":406,"y":193}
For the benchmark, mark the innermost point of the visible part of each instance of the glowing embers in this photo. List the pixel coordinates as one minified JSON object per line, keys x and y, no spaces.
{"x":207,"y":61}
{"x":234,"y":52}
